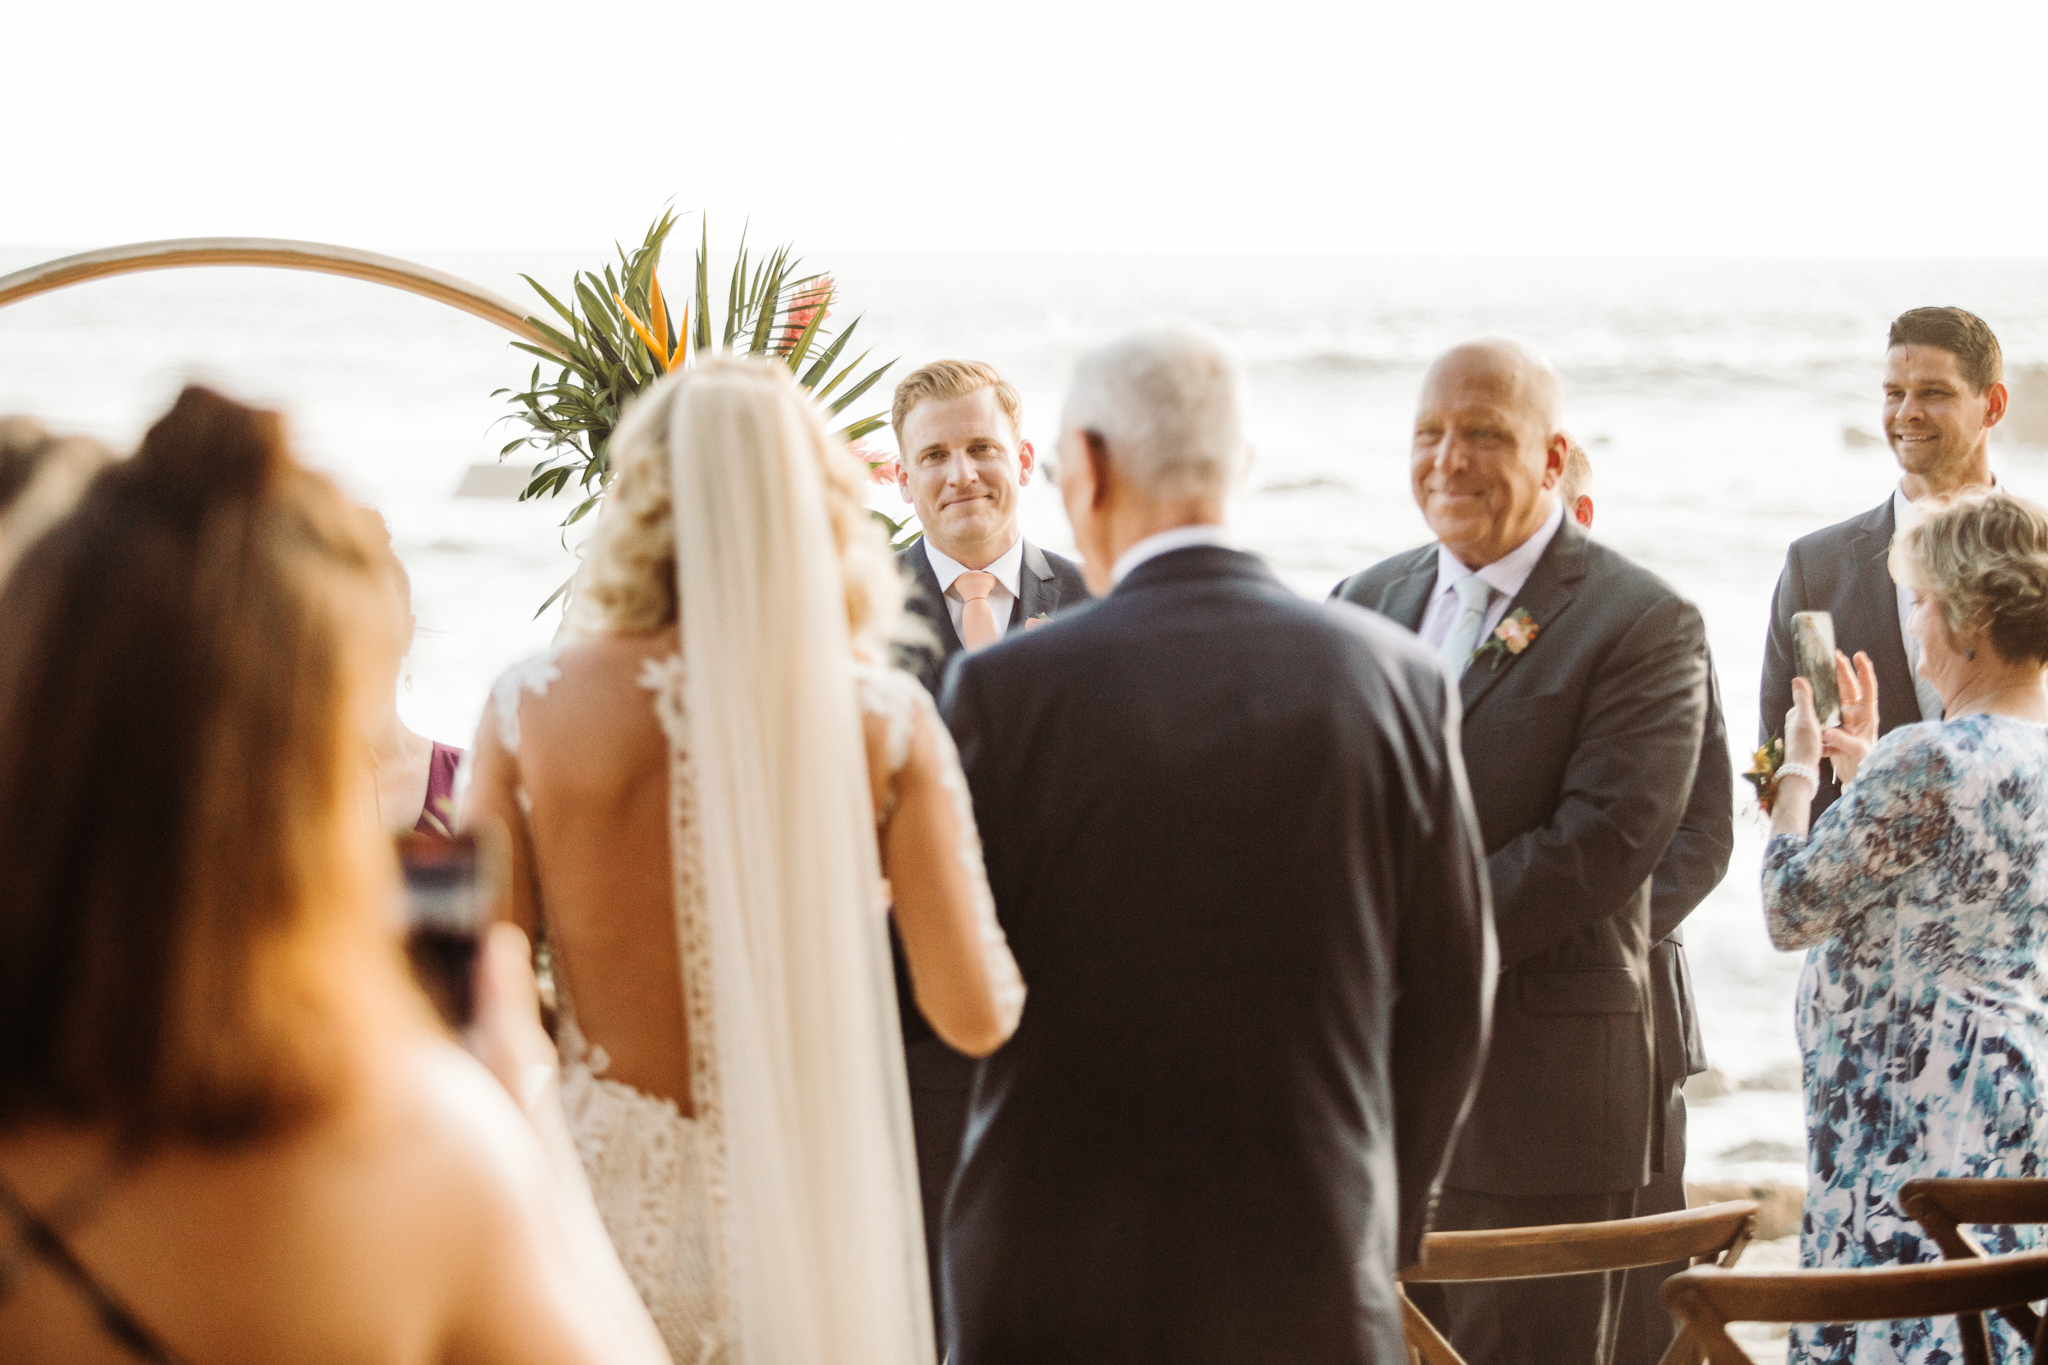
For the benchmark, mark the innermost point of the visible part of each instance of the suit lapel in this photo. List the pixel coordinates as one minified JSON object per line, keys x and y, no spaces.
{"x":1551,"y":587}
{"x":1874,"y":619}
{"x":1408,"y":597}
{"x":1038,"y":591}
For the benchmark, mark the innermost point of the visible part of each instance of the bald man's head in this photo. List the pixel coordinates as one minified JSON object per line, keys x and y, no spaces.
{"x":1489,"y":447}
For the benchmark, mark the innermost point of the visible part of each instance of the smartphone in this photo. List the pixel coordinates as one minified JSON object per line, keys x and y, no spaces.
{"x":1813,"y":643}
{"x":445,"y":905}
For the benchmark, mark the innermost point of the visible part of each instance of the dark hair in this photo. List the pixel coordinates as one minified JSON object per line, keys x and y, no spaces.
{"x":1963,"y":335}
{"x":188,"y":948}
{"x":1984,"y":558}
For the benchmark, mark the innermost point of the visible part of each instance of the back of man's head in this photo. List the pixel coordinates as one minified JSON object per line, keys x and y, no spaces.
{"x":955,"y":379}
{"x":1168,"y":404}
{"x":1962,"y":334}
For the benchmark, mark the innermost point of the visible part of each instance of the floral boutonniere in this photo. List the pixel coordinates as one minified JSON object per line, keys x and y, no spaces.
{"x":1509,"y":638}
{"x":1763,"y":772}
{"x":1035,"y":622}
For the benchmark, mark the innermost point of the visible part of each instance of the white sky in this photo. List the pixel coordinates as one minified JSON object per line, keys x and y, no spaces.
{"x":1646,"y":127}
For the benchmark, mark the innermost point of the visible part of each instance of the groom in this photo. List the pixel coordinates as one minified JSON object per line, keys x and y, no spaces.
{"x":1584,"y":679}
{"x":1229,"y":841}
{"x":964,"y":463}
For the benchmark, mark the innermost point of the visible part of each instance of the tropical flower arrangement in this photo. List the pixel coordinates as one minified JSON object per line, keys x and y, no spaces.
{"x":617,"y":334}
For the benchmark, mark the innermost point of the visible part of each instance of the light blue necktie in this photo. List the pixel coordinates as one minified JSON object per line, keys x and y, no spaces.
{"x":1475,"y":595}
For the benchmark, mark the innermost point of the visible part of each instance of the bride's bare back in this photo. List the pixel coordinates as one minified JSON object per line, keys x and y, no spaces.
{"x":580,"y":779}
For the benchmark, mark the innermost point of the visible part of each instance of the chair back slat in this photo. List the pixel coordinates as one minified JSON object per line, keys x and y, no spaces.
{"x":1577,"y":1248}
{"x":1943,"y":1205}
{"x":1707,"y":1298}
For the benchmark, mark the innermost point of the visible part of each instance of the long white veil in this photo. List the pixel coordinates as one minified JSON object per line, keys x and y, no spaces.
{"x":801,"y":1081}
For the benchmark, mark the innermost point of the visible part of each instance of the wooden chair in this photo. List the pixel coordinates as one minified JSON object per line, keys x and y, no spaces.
{"x":1944,"y":1207}
{"x":1708,"y":1298}
{"x":1719,"y":1231}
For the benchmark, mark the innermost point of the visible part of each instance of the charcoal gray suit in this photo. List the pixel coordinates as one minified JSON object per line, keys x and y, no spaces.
{"x":1691,"y":868}
{"x":1841,"y":569}
{"x":1582,"y":751}
{"x":1229,"y":841}
{"x":939,"y":1076}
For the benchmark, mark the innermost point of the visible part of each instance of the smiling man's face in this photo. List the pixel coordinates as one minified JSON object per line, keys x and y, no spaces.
{"x":1487,"y":452}
{"x":962,"y":467}
{"x":1935,"y":420}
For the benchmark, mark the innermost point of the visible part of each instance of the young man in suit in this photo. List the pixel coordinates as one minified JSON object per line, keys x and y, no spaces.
{"x":1584,"y":680}
{"x":1943,"y":393}
{"x":973,"y":577}
{"x":964,"y":463}
{"x":1691,"y":867}
{"x":1230,"y":844}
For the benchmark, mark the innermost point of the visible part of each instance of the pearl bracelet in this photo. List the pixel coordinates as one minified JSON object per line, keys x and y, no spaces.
{"x":1809,"y":771}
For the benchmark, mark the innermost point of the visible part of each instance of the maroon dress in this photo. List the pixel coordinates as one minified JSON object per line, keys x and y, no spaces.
{"x":438,"y":816}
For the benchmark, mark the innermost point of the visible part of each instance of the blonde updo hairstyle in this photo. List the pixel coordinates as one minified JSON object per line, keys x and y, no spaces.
{"x":1983,"y":558}
{"x":627,"y":583}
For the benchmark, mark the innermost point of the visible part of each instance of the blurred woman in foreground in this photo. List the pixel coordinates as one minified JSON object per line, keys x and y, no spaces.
{"x":1923,"y":895}
{"x":228,"y":1130}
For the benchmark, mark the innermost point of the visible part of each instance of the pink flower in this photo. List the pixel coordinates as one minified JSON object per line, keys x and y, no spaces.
{"x":815,"y":299}
{"x":882,"y":469}
{"x":1516,"y":632}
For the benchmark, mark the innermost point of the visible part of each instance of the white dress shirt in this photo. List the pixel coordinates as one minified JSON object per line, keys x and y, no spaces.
{"x":1002,"y":599}
{"x":1165,"y":543}
{"x":1905,"y":515}
{"x":1505,"y":576}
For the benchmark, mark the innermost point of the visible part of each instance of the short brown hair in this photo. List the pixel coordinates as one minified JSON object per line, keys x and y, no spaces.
{"x":1962,"y":334}
{"x":1983,"y":556}
{"x":190,"y":947}
{"x":954,"y":379}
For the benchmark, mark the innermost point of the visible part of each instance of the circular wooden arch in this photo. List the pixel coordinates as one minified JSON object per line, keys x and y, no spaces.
{"x":318,"y":257}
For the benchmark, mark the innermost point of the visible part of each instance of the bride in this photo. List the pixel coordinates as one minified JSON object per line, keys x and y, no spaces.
{"x":705,"y":786}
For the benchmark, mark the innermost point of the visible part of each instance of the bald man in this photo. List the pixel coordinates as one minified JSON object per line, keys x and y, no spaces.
{"x":1584,"y":682}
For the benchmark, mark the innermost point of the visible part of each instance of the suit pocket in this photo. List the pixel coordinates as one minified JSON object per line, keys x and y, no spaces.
{"x":1597,"y":990}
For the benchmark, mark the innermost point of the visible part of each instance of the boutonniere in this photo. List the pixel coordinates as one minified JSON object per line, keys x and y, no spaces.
{"x":1509,"y":638}
{"x":1763,"y":772}
{"x":1035,"y":622}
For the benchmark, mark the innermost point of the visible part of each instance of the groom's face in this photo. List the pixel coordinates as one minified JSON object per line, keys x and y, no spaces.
{"x":961,"y":469}
{"x":1484,"y":459}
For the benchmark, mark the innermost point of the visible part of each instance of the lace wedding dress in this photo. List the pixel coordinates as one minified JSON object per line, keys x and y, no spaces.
{"x":662,"y":1180}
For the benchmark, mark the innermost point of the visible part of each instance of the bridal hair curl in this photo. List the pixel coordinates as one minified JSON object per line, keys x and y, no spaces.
{"x":190,"y":943}
{"x":1983,"y":556}
{"x":627,"y":582}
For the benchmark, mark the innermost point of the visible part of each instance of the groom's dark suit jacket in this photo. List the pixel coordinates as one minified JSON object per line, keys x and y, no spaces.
{"x":1581,"y":752}
{"x":1842,"y":570}
{"x":939,"y":1076}
{"x":1049,"y":582}
{"x":1230,"y":843}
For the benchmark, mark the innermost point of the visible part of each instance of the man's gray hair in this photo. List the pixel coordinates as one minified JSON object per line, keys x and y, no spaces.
{"x":1168,"y":402}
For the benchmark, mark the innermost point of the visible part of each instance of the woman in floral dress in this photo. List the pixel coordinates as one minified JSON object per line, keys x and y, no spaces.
{"x":1922,"y":897}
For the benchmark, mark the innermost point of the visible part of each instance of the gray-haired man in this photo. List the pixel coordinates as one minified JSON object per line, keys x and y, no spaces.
{"x":1229,"y":841}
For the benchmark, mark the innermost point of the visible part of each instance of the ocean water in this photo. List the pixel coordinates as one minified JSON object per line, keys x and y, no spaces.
{"x":1721,"y":401}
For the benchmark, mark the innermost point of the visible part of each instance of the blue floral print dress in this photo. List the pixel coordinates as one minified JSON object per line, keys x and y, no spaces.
{"x":1922,"y":898}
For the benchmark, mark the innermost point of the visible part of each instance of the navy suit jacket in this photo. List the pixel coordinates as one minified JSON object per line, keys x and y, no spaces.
{"x":1230,"y":843}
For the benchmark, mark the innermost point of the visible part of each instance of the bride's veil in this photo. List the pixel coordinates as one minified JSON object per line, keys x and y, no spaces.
{"x":817,"y":1203}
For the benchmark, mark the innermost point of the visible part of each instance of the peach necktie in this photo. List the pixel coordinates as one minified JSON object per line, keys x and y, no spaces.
{"x":977,"y":617}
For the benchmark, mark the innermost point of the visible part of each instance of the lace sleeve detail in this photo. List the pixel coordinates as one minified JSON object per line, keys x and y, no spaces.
{"x":892,"y":696}
{"x":1006,"y":983}
{"x":533,"y":675}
